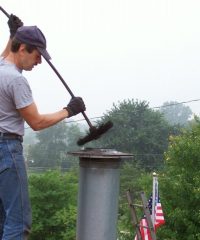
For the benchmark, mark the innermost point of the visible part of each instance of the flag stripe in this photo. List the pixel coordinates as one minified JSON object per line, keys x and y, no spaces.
{"x":158,"y":215}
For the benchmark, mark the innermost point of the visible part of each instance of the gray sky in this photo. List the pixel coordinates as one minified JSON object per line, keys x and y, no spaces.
{"x":111,"y":50}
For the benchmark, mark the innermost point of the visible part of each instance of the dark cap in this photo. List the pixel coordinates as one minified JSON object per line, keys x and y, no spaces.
{"x":32,"y":35}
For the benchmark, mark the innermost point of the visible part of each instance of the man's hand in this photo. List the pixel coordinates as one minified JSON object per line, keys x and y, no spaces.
{"x":14,"y":23}
{"x":75,"y":106}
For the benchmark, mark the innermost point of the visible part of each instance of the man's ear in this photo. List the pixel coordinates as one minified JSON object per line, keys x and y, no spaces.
{"x":22,"y":47}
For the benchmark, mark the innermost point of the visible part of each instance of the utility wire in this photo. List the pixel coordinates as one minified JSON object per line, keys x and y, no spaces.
{"x":158,"y":107}
{"x":169,"y":105}
{"x":173,"y":104}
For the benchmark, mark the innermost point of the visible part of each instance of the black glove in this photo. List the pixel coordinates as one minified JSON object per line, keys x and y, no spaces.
{"x":75,"y":106}
{"x":14,"y":23}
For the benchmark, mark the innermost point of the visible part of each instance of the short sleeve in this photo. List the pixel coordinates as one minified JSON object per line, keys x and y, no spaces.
{"x":21,"y":92}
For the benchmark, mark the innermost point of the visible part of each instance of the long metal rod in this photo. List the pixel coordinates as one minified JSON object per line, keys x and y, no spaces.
{"x":154,"y":195}
{"x":68,"y":89}
{"x":61,"y":78}
{"x":7,"y":15}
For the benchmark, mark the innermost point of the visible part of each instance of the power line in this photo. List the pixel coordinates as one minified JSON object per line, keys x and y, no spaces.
{"x":169,"y":105}
{"x":174,"y":104}
{"x":158,"y":107}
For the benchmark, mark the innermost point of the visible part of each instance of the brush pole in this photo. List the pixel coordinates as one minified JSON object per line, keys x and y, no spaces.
{"x":60,"y":77}
{"x":7,"y":15}
{"x":68,"y":89}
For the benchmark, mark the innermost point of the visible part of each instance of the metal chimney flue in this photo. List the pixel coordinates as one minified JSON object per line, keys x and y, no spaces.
{"x":98,"y":193}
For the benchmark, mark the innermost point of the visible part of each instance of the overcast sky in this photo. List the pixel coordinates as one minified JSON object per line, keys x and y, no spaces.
{"x":111,"y":50}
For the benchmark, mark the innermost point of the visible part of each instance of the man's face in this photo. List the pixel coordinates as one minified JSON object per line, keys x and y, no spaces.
{"x":28,"y":60}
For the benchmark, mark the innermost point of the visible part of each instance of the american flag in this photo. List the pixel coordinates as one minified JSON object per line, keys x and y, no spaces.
{"x":157,"y":219}
{"x":159,"y":216}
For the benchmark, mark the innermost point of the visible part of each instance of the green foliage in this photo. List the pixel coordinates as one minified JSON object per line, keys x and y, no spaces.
{"x":176,"y":113}
{"x":137,"y":181}
{"x":180,"y":187}
{"x":138,"y":130}
{"x":129,"y":176}
{"x":54,"y":205}
{"x":52,"y":146}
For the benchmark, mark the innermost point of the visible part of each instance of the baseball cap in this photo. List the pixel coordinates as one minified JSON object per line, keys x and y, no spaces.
{"x":33,"y":35}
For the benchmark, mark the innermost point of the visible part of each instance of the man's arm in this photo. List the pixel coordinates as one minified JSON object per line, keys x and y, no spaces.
{"x":39,"y":121}
{"x":7,"y":49}
{"x":14,"y":23}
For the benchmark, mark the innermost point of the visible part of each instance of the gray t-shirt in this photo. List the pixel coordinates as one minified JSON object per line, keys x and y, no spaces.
{"x":15,"y":93}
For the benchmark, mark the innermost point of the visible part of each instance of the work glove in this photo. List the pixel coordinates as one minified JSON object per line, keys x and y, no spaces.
{"x":14,"y":23}
{"x":75,"y":106}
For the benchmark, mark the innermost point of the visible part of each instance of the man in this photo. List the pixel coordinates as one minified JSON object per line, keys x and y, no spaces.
{"x":27,"y":45}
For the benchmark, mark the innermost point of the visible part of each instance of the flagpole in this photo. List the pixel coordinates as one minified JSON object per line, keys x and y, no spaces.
{"x":154,"y":198}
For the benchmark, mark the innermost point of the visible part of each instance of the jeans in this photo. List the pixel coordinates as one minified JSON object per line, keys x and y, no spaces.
{"x":15,"y":209}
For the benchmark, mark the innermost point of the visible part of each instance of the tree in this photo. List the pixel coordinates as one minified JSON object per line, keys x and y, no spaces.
{"x":176,"y":113}
{"x":138,"y":130}
{"x":54,"y":199}
{"x":180,"y":187}
{"x":130,"y":179}
{"x":52,"y":146}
